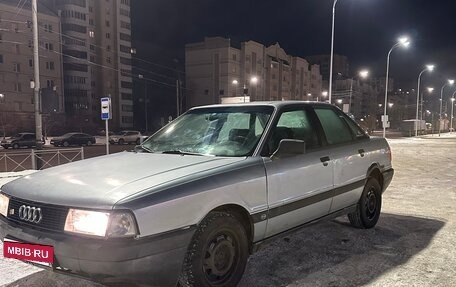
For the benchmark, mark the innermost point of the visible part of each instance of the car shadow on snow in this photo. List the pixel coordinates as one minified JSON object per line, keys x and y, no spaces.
{"x":326,"y":254}
{"x":334,"y":254}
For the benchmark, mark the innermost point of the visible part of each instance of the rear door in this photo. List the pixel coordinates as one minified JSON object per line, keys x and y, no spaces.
{"x":300,"y":186}
{"x":348,"y":151}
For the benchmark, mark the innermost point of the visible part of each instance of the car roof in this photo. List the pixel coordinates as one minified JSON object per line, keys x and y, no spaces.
{"x":275,"y":104}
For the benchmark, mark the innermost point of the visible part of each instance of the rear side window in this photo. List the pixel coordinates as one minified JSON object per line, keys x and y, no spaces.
{"x":334,"y":126}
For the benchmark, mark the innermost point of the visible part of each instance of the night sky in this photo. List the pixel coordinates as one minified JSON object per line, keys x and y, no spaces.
{"x":365,"y":31}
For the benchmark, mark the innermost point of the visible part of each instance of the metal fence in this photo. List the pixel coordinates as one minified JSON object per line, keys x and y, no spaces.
{"x":39,"y":159}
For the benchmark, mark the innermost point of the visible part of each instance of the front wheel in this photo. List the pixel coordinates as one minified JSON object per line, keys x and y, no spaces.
{"x":369,"y":206}
{"x":217,"y":254}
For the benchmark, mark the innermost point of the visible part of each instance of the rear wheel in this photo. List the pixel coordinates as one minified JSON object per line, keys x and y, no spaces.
{"x":217,"y":254}
{"x":369,"y":206}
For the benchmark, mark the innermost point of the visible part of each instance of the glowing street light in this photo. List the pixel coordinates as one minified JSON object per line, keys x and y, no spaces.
{"x":252,"y":81}
{"x":362,"y":74}
{"x":428,"y":68}
{"x":449,"y":83}
{"x":402,"y":42}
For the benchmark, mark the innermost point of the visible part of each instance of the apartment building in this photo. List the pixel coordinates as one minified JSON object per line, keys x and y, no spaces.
{"x":17,"y":64}
{"x":340,"y":65}
{"x":96,"y":40}
{"x":218,"y":70}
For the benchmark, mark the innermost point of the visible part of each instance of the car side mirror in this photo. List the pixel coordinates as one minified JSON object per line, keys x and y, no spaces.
{"x":289,"y":147}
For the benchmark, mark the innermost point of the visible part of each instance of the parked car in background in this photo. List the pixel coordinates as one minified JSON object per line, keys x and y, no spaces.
{"x":126,"y":137}
{"x":19,"y":140}
{"x":190,"y":204}
{"x":69,"y":139}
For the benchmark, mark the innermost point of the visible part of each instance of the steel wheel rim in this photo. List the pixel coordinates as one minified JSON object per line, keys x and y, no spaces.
{"x":371,"y":204}
{"x":221,"y":256}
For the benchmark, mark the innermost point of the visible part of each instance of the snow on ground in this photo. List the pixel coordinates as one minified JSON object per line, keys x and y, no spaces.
{"x":412,"y":245}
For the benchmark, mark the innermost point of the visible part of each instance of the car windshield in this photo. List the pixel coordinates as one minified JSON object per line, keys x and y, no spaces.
{"x":121,"y":133}
{"x":223,"y":131}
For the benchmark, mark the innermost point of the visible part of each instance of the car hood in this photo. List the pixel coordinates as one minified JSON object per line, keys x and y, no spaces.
{"x":9,"y":139}
{"x":102,"y":181}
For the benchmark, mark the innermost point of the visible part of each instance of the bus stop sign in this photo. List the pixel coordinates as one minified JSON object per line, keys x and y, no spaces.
{"x":106,"y":109}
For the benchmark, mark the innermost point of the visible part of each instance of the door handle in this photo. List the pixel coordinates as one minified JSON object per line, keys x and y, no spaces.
{"x":361,"y":152}
{"x":325,"y":160}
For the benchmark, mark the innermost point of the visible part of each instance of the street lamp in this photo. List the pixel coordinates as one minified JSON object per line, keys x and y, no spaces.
{"x":428,"y":68}
{"x":253,"y":81}
{"x":332,"y":50}
{"x":402,"y":42}
{"x":449,"y":83}
{"x":362,"y":74}
{"x":452,"y":110}
{"x":324,"y":94}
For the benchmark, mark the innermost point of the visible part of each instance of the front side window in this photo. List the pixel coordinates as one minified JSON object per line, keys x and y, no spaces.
{"x":224,"y":131}
{"x":293,"y":125}
{"x":334,"y":126}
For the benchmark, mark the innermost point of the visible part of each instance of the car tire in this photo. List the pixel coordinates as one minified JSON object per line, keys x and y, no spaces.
{"x":369,"y":206}
{"x":217,"y":254}
{"x":16,"y":146}
{"x":89,"y":143}
{"x":121,"y":142}
{"x":6,"y":147}
{"x":66,"y":144}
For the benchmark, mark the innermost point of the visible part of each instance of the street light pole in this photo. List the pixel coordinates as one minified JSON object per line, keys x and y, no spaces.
{"x":452,"y":109}
{"x":36,"y":68}
{"x":404,"y":42}
{"x":332,"y":51}
{"x":450,"y":82}
{"x":429,"y":68}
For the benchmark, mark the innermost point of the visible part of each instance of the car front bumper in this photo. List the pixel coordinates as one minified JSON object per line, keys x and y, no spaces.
{"x":154,"y":260}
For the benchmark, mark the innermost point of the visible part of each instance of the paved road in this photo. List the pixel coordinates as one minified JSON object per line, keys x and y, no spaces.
{"x":412,"y":245}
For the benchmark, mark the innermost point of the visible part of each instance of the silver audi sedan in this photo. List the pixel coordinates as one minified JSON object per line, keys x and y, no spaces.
{"x":191,"y":203}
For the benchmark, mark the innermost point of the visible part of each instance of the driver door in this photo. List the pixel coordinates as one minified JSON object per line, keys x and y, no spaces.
{"x":299,"y":187}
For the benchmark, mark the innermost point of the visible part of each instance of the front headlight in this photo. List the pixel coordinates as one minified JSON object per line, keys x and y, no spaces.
{"x":4,"y":202}
{"x":102,"y":224}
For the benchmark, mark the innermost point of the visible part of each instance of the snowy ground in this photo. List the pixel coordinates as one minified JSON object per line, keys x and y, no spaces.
{"x":412,"y":245}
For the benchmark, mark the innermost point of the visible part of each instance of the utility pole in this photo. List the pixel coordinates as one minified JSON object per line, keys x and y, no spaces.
{"x":36,"y":68}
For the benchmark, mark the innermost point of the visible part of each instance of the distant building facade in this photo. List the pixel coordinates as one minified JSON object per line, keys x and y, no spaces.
{"x":17,"y":67}
{"x":97,"y":60}
{"x":217,"y":70}
{"x":341,"y":65}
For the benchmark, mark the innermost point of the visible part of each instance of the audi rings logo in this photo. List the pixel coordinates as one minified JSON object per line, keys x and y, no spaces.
{"x":30,"y":214}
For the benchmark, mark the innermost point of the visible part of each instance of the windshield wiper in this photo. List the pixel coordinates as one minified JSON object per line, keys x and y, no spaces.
{"x":180,"y":152}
